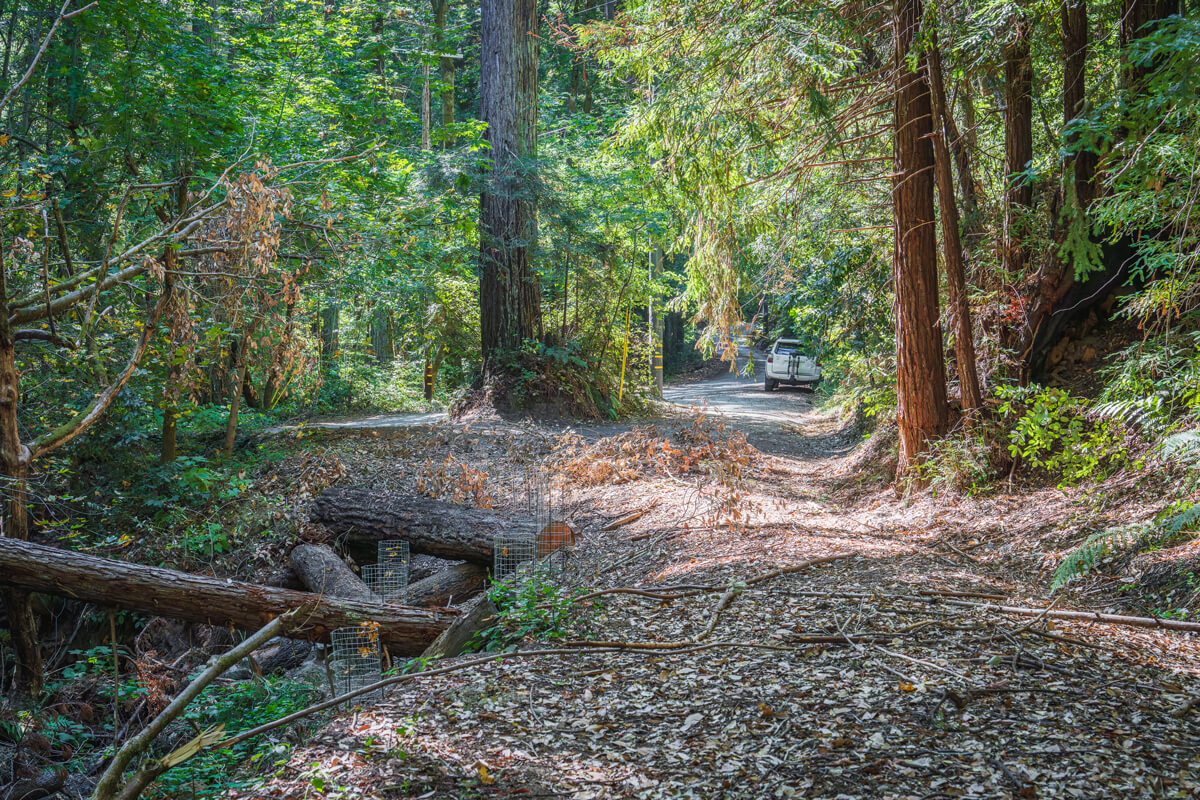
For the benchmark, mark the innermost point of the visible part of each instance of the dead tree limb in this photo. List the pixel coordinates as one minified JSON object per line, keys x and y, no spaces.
{"x":109,"y":782}
{"x":217,"y":601}
{"x":432,"y":527}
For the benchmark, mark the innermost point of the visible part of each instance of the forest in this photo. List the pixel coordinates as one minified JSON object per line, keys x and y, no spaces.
{"x":382,"y":404}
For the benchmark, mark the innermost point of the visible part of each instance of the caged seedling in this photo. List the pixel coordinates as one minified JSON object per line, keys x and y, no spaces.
{"x":356,"y":660}
{"x":544,"y":550}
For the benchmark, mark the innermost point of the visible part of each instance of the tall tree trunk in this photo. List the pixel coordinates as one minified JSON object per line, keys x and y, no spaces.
{"x":961,"y":144}
{"x":446,"y":67}
{"x":272,"y":388}
{"x":956,"y":282}
{"x":1082,"y":166}
{"x":1139,"y":18}
{"x":510,"y":293}
{"x":964,"y":146}
{"x":14,"y":464}
{"x":174,"y":358}
{"x":920,"y":368}
{"x":241,"y":363}
{"x":1018,"y":145}
{"x":170,"y":439}
{"x":381,"y":335}
{"x":329,"y":333}
{"x":426,"y":110}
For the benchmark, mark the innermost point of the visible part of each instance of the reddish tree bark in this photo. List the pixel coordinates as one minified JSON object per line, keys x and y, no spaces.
{"x":920,"y":368}
{"x":14,"y":465}
{"x":1138,"y":19}
{"x":956,"y":281}
{"x":509,"y":288}
{"x":1018,"y":144}
{"x":1081,"y":167}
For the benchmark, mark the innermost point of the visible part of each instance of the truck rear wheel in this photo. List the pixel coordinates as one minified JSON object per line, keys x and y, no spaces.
{"x":769,"y":384}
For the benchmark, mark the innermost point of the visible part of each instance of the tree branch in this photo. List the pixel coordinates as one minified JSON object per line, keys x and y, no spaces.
{"x":52,"y":440}
{"x":62,"y":15}
{"x":39,"y":335}
{"x":108,"y":784}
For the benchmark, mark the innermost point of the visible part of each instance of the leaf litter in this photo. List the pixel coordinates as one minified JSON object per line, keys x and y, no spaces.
{"x":855,"y":678}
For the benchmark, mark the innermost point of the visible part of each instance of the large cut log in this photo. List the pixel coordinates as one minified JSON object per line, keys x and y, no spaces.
{"x":433,"y":527}
{"x":165,"y":592}
{"x":460,"y":582}
{"x":321,"y":571}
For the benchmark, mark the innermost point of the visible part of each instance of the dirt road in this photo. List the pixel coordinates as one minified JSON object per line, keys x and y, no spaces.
{"x":866,"y":677}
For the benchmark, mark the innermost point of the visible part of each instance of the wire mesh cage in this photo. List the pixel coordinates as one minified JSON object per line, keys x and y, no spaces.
{"x":546,"y":508}
{"x":388,"y":577}
{"x":543,"y":543}
{"x":388,"y":580}
{"x":538,"y":500}
{"x":356,"y":661}
{"x":515,"y":553}
{"x":394,"y":551}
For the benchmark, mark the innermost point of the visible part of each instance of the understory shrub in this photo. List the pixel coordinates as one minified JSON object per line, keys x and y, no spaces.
{"x":358,"y":381}
{"x":238,"y":707}
{"x":530,"y":607}
{"x":1050,"y":430}
{"x":962,"y":462}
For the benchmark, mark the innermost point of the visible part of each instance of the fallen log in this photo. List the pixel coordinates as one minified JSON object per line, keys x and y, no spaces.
{"x":432,"y":527}
{"x":460,"y":582}
{"x":480,"y":615}
{"x":321,"y":571}
{"x":215,"y":601}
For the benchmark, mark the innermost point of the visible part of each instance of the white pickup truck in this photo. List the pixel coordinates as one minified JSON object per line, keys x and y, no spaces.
{"x":787,"y":365}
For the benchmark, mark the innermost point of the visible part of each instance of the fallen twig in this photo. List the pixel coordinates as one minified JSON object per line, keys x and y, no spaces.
{"x":1181,"y":711}
{"x":679,"y":592}
{"x":730,"y":594}
{"x":967,"y":556}
{"x":634,"y":517}
{"x":570,"y":649}
{"x":1085,"y":616}
{"x":956,"y":593}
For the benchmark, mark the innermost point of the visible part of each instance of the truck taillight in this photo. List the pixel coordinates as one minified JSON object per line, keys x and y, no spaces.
{"x":770,"y":359}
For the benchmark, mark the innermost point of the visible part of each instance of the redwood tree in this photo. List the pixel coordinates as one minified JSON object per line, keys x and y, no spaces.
{"x":1139,"y":18}
{"x":509,"y":291}
{"x":952,"y":249}
{"x":1081,"y":167}
{"x":920,"y":369}
{"x":1018,"y":143}
{"x":447,"y":68}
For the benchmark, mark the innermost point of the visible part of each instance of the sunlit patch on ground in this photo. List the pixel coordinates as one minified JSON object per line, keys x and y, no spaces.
{"x":857,"y":678}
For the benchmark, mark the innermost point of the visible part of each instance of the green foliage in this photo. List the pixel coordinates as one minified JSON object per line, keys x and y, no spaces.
{"x":359,"y":381}
{"x":962,"y":462}
{"x":531,"y":608}
{"x":1154,"y":383}
{"x":574,"y":378}
{"x":189,"y":482}
{"x":1171,"y":526}
{"x":1049,"y":429}
{"x":1096,"y":548}
{"x":238,"y":706}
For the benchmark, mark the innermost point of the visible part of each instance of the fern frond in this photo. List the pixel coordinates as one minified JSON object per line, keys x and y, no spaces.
{"x":1130,"y":412}
{"x":1166,"y":531}
{"x":1183,"y":446}
{"x":1180,"y":522}
{"x":1083,"y":559}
